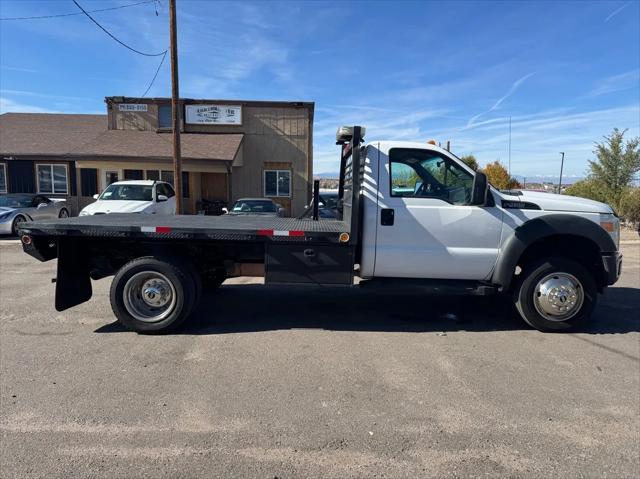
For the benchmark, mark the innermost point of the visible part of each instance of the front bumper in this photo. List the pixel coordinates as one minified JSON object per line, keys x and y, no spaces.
{"x":612,"y":264}
{"x":6,"y":227}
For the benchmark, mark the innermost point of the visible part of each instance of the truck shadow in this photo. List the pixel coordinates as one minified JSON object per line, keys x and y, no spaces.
{"x":255,"y":308}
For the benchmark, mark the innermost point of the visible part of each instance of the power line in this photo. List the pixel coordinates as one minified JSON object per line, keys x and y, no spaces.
{"x":155,"y":76}
{"x":112,"y":36}
{"x":77,"y":13}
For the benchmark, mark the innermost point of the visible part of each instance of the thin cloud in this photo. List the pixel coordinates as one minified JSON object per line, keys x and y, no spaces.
{"x":7,"y":105}
{"x":616,"y":11}
{"x":624,"y":81}
{"x":43,"y":95}
{"x":21,"y":70}
{"x":497,"y":104}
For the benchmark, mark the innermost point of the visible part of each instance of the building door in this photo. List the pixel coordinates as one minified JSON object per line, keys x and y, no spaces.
{"x":214,"y":186}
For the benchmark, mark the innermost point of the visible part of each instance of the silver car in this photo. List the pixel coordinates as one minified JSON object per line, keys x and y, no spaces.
{"x":20,"y":207}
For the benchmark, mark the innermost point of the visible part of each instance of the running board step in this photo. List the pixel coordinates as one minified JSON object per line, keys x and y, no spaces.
{"x":430,"y":286}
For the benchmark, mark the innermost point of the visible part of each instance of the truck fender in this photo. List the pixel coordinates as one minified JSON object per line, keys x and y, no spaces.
{"x":540,"y":228}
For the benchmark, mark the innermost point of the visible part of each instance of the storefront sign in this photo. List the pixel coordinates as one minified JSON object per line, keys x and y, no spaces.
{"x":132,"y":106}
{"x":214,"y":114}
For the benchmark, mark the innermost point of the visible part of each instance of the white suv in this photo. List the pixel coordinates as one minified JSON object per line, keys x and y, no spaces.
{"x":134,"y":196}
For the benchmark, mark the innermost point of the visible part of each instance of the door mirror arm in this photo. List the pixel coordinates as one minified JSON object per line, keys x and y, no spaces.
{"x":480,"y":190}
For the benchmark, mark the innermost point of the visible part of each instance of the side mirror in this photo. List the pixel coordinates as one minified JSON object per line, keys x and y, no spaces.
{"x":281,"y":212}
{"x":480,"y":189}
{"x":224,"y":210}
{"x":162,"y":198}
{"x":95,"y":197}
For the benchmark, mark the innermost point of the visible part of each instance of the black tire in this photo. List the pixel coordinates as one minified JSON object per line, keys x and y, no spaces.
{"x":16,"y":221}
{"x":173,"y":273}
{"x":64,"y":213}
{"x":554,"y":269}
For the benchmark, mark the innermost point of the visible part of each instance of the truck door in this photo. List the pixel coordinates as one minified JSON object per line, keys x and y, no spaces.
{"x":426,"y":229}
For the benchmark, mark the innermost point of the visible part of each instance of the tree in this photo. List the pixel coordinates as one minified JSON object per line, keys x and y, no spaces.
{"x":471,"y":162}
{"x":589,"y":188}
{"x":616,"y":164}
{"x":499,"y":176}
{"x":630,"y":205}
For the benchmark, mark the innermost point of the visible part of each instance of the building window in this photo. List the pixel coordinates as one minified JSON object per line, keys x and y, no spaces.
{"x":3,"y":178}
{"x":110,"y":177}
{"x":167,"y":175}
{"x":133,"y":174}
{"x":277,"y":183}
{"x":164,"y":116}
{"x":52,"y":179}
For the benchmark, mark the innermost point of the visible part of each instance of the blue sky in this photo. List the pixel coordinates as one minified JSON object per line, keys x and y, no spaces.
{"x":566,"y":72}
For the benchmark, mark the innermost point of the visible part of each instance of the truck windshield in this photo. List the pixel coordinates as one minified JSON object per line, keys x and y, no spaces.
{"x":128,"y":192}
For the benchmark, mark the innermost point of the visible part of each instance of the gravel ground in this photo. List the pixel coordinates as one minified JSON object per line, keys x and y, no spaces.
{"x":297,"y":382}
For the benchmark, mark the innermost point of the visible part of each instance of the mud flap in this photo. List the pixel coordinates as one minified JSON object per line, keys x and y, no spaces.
{"x":73,"y":285}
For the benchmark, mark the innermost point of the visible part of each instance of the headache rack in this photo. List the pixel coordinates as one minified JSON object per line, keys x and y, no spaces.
{"x":352,"y":166}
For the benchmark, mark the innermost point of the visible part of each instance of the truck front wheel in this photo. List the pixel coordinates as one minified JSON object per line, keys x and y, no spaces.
{"x":555,"y":294}
{"x":152,"y":295}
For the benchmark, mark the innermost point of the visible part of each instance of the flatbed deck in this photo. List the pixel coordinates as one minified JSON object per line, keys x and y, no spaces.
{"x":226,"y":227}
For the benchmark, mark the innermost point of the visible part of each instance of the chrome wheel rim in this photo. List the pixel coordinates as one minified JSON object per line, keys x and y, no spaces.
{"x":149,"y":296}
{"x":558,"y":296}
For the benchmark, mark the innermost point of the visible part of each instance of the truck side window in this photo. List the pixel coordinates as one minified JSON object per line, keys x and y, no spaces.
{"x":427,"y":174}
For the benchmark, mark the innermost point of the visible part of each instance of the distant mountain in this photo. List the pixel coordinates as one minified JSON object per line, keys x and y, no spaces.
{"x":566,"y":180}
{"x":327,"y":176}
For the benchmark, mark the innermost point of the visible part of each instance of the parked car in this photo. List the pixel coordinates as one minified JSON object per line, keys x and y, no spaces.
{"x":256,"y":207}
{"x":134,"y":196}
{"x":327,"y":205}
{"x":18,"y":208}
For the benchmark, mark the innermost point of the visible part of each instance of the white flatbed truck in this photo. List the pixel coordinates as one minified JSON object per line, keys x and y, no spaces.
{"x":410,"y":215}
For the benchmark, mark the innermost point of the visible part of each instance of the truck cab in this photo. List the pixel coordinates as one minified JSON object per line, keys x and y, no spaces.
{"x":426,"y":215}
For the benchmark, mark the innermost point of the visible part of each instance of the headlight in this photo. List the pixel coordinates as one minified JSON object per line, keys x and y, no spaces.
{"x":4,"y":216}
{"x":611,"y":224}
{"x":84,"y":213}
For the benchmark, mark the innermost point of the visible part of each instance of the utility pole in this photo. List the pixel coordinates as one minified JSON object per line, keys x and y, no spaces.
{"x":561,"y":167}
{"x":175,"y":98}
{"x":509,"y":147}
{"x":524,"y":182}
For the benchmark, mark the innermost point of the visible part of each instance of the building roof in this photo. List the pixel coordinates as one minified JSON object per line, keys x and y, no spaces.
{"x":143,"y":144}
{"x":255,"y":103}
{"x":47,"y":133}
{"x":32,"y":134}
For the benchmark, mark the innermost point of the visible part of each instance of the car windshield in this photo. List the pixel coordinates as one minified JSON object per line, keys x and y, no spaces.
{"x":15,"y":201}
{"x":254,"y":206}
{"x":329,"y":200}
{"x":128,"y":192}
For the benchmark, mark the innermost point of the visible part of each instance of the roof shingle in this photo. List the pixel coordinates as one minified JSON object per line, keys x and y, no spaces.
{"x":74,"y":135}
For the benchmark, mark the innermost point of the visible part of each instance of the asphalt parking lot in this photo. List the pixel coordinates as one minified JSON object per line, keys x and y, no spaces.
{"x":275,"y":382}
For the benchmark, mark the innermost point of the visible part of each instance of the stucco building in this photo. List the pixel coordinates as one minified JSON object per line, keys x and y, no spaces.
{"x":230,"y":149}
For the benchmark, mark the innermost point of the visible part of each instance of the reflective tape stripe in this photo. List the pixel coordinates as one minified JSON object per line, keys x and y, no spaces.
{"x":155,"y":229}
{"x":280,"y":233}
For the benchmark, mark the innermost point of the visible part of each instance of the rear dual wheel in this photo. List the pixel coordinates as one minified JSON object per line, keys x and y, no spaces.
{"x":154,"y":295}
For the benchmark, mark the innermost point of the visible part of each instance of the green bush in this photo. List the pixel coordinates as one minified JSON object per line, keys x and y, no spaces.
{"x":630,"y":206}
{"x":590,"y":188}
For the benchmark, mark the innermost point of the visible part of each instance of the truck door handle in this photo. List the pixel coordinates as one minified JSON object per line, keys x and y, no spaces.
{"x":387,"y":216}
